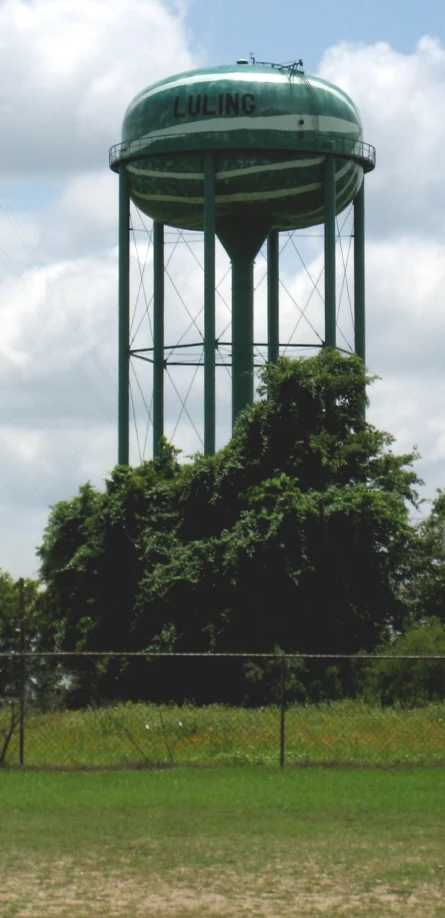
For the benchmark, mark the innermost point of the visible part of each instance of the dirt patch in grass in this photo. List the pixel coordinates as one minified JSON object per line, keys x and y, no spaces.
{"x":284,"y":889}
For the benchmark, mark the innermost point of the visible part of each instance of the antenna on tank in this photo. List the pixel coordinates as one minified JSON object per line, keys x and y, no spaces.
{"x":292,"y":67}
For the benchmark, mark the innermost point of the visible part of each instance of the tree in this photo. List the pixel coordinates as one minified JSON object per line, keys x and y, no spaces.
{"x":9,"y":640}
{"x":296,"y":534}
{"x":409,"y":682}
{"x":91,"y":564}
{"x":428,"y":576}
{"x":23,"y":606}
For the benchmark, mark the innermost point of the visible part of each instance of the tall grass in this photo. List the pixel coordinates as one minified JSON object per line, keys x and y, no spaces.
{"x":347,"y":733}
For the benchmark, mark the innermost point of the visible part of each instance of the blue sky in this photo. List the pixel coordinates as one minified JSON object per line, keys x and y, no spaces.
{"x":283,"y":30}
{"x":68,"y":70}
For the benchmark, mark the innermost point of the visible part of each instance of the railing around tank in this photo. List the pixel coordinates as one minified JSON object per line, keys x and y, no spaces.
{"x":335,"y":145}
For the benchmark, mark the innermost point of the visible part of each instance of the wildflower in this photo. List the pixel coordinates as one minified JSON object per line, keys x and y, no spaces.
{"x":147,"y":726}
{"x":180,"y":723}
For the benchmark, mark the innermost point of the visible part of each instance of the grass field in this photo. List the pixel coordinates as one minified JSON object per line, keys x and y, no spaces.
{"x":254,"y":842}
{"x":346,"y":732}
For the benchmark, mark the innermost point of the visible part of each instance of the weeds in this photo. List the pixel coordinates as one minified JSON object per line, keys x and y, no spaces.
{"x":347,"y":733}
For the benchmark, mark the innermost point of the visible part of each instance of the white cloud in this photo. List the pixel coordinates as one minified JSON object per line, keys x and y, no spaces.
{"x":82,"y":219}
{"x":406,"y":315}
{"x":68,"y":69}
{"x":400,"y":98}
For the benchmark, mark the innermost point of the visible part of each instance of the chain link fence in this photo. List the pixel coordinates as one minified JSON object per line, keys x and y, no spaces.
{"x":161,"y":710}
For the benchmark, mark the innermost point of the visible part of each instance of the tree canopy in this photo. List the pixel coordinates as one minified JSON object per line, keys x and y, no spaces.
{"x":296,"y":534}
{"x":23,"y":612}
{"x":428,"y":575}
{"x":413,"y":682}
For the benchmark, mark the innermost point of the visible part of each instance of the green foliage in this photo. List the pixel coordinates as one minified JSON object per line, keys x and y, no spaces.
{"x":427,"y":587}
{"x":297,"y":533}
{"x":9,"y":621}
{"x":270,"y":678}
{"x":411,"y":683}
{"x":346,"y":732}
{"x":90,"y":555}
{"x":23,"y":607}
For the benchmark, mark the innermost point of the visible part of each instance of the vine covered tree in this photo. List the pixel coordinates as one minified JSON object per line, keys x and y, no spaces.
{"x":295,"y":534}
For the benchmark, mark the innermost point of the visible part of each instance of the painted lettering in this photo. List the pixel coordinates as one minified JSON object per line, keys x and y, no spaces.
{"x":226,"y":103}
{"x":248,"y":103}
{"x":194,"y":105}
{"x":232,"y":104}
{"x":205,"y":109}
{"x":177,"y":113}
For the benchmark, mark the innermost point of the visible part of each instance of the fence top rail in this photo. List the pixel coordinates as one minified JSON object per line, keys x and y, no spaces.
{"x":148,"y":654}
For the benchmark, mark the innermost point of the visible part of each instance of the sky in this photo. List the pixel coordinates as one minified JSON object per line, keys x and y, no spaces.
{"x":68,"y":70}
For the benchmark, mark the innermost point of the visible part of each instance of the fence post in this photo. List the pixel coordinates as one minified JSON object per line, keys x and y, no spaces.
{"x":22,"y":617}
{"x":282,"y":708}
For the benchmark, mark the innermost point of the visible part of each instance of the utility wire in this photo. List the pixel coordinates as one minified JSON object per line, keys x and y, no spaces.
{"x":185,"y":400}
{"x":185,"y":408}
{"x":30,"y":394}
{"x":13,"y":270}
{"x":17,"y":226}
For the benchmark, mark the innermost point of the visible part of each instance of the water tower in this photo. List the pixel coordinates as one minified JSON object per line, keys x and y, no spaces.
{"x":239,"y":153}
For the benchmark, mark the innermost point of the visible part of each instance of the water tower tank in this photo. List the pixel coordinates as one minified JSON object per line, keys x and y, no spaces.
{"x":270,"y":129}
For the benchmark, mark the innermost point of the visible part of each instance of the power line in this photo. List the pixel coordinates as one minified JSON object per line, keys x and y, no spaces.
{"x":17,"y":226}
{"x":14,"y":271}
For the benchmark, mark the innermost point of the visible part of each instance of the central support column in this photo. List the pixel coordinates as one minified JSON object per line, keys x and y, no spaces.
{"x":158,"y":335}
{"x":209,"y":305}
{"x":359,"y":273}
{"x":329,"y":254}
{"x":273,"y":287}
{"x":242,"y":239}
{"x":359,"y":279}
{"x":242,"y":335}
{"x":123,"y":424}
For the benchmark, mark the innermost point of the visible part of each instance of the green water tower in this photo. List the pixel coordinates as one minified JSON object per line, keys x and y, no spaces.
{"x":238,"y":152}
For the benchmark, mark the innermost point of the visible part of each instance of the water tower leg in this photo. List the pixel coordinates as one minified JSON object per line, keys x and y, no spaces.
{"x":124,"y":319}
{"x":158,"y":335}
{"x":329,"y":253}
{"x":242,"y":335}
{"x":209,"y":305}
{"x":359,"y":273}
{"x":273,"y":315}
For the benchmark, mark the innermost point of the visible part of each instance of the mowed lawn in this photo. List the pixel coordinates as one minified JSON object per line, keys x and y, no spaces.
{"x":183,"y":843}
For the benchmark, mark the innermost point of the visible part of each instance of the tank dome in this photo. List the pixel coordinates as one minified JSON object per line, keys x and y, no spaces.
{"x":269,"y":128}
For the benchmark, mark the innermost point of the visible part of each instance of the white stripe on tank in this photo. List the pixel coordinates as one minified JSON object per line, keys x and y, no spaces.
{"x":338,"y":95}
{"x":228,"y":174}
{"x":285,"y":123}
{"x":238,"y":77}
{"x":239,"y":196}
